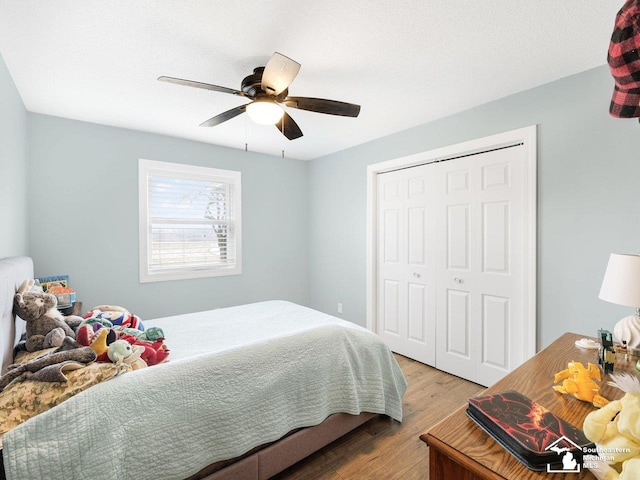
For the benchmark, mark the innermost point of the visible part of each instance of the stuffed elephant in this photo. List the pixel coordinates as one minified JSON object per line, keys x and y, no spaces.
{"x":48,"y":368}
{"x":46,"y":326}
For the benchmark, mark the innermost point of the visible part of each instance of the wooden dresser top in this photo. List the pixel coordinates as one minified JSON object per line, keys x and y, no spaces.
{"x":466,"y":443}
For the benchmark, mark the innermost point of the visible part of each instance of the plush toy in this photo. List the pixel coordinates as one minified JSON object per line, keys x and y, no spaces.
{"x":577,"y":381}
{"x":110,"y":308}
{"x":154,"y":352}
{"x":96,"y":322}
{"x":46,"y":326}
{"x":615,"y":429}
{"x":97,"y":334}
{"x":119,"y":350}
{"x":48,"y":368}
{"x":151,"y":334}
{"x":98,"y":341}
{"x":117,"y":318}
{"x":134,"y":361}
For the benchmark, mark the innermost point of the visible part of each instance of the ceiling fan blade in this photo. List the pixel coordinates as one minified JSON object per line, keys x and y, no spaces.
{"x":279,"y":73}
{"x":206,"y":86}
{"x":320,"y":105}
{"x":288,"y":127}
{"x":223,"y":117}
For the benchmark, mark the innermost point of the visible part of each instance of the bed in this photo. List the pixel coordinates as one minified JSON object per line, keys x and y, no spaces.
{"x":248,"y":391}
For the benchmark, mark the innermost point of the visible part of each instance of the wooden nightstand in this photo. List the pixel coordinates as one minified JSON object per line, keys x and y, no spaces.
{"x":75,"y":310}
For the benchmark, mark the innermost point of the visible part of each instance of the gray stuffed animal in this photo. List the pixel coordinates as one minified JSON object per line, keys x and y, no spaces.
{"x":46,"y":326}
{"x":48,"y":368}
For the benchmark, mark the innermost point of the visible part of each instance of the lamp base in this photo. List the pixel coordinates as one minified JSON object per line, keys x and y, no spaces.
{"x":628,"y":330}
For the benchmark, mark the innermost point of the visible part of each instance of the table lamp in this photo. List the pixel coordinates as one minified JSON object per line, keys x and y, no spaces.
{"x":621,"y":285}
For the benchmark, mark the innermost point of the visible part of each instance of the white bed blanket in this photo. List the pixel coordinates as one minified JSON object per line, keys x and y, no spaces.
{"x":296,"y":366}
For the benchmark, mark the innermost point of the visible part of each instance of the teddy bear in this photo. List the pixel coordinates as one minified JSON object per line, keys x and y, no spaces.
{"x":46,"y":326}
{"x":615,"y":429}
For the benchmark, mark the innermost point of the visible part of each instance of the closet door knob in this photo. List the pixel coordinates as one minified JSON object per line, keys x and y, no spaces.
{"x":417,"y":275}
{"x":457,"y":280}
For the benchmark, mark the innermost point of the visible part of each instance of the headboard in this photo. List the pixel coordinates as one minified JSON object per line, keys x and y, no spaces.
{"x":13,"y":271}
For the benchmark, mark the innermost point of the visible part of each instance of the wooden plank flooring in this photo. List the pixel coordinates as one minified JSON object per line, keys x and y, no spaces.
{"x":384,"y":449}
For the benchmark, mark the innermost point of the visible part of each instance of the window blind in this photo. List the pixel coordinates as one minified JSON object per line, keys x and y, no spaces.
{"x":191,"y":223}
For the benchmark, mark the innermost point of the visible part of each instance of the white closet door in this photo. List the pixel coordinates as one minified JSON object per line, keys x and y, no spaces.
{"x":480,"y":274}
{"x":406,"y":257}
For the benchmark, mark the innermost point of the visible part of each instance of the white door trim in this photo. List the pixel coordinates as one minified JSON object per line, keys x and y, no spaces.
{"x":528,"y":137}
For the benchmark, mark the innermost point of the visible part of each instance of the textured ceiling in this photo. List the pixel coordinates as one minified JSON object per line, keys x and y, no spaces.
{"x":405,"y":62}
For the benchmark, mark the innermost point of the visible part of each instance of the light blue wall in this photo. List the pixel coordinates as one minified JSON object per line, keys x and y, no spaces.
{"x":13,"y":169}
{"x":588,"y":199}
{"x":83,"y":218}
{"x":304,"y":223}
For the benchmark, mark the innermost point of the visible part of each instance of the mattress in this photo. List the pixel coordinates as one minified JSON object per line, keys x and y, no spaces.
{"x":237,"y":378}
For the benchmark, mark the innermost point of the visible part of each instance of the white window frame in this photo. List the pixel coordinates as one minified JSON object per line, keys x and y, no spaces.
{"x":178,"y":170}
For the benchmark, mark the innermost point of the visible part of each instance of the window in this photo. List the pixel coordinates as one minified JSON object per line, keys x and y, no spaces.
{"x":189,"y":221}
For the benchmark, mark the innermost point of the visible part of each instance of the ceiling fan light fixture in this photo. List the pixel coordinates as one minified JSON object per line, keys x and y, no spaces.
{"x":265,"y":112}
{"x":268,"y":88}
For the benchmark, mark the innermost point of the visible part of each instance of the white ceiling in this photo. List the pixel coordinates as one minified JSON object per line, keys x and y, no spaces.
{"x":405,"y":62}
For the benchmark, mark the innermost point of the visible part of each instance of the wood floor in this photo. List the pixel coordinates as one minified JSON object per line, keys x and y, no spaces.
{"x":384,"y":449}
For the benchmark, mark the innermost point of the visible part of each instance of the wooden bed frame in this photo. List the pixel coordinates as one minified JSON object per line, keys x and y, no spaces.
{"x":260,"y":463}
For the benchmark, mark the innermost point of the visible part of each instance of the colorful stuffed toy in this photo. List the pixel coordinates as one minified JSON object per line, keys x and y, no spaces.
{"x":150,"y":334}
{"x":154,"y":352}
{"x":99,"y":344}
{"x":110,"y":308}
{"x":96,"y":322}
{"x":577,"y":381}
{"x":122,"y":352}
{"x":615,"y":429}
{"x":96,"y":334}
{"x":117,"y":318}
{"x":119,"y":350}
{"x":107,"y":325}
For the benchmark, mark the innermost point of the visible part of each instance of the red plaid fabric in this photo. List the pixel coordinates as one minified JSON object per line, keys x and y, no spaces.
{"x":624,"y":61}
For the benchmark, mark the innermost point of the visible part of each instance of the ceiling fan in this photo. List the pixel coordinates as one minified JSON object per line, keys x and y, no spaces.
{"x":268,"y":88}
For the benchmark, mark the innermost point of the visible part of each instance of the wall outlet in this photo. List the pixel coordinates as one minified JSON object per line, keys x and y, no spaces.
{"x":339,"y":307}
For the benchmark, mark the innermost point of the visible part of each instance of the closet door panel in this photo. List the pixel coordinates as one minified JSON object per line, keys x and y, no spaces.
{"x":406,"y":290}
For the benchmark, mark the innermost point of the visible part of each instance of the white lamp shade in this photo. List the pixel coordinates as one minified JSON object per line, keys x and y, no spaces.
{"x":265,"y":112}
{"x":621,"y":283}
